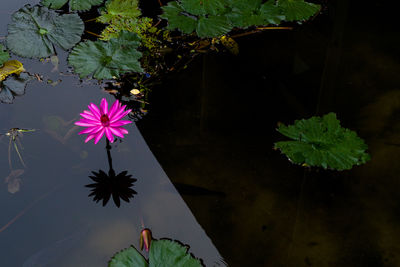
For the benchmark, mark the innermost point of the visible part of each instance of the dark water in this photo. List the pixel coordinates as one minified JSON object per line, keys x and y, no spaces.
{"x":47,"y":218}
{"x":212,"y":128}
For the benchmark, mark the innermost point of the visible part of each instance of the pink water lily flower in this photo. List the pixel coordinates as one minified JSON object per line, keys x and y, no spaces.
{"x":100,"y":121}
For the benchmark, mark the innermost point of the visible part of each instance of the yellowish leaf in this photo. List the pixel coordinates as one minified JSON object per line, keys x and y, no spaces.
{"x":11,"y":67}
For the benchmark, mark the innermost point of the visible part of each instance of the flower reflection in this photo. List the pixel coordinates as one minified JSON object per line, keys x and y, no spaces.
{"x":107,"y":185}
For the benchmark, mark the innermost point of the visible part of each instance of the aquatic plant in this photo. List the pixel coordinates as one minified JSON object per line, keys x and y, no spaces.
{"x":322,"y":142}
{"x":4,"y":55}
{"x":163,"y":253}
{"x":213,"y":18}
{"x":35,"y":30}
{"x":10,"y":67}
{"x":100,"y":121}
{"x":107,"y":60}
{"x":74,"y":5}
{"x":13,"y":86}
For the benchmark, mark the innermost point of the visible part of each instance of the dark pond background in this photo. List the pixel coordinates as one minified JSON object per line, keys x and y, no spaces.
{"x":212,"y":128}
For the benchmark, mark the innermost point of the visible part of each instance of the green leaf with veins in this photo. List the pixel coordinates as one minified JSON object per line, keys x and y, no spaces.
{"x":298,"y":10}
{"x":74,"y":5}
{"x":176,"y":17}
{"x":34,"y":30}
{"x":106,"y":60}
{"x":119,"y":10}
{"x":163,"y":253}
{"x":212,"y":26}
{"x":128,"y":257}
{"x":4,"y":55}
{"x":322,"y":142}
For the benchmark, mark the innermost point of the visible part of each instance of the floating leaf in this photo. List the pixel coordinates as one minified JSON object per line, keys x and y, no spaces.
{"x":74,"y":5}
{"x":13,"y":86}
{"x":119,"y":10}
{"x":322,"y":142}
{"x":106,"y":60}
{"x":206,"y":25}
{"x":128,"y":257}
{"x":10,"y":67}
{"x":173,"y":12}
{"x":298,"y":10}
{"x":170,"y":253}
{"x":4,"y":55}
{"x":35,"y":30}
{"x":163,"y":253}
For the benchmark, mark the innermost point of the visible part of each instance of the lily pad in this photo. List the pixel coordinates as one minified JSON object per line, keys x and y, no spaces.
{"x":4,"y":55}
{"x":74,"y":5}
{"x":322,"y":142}
{"x":106,"y":60}
{"x":163,"y":253}
{"x":298,"y":10}
{"x":35,"y":30}
{"x":13,"y":86}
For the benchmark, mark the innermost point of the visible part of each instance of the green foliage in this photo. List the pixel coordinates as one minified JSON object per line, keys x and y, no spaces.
{"x":13,"y":86}
{"x":163,"y":253}
{"x":128,"y":257}
{"x":322,"y":142}
{"x":4,"y":55}
{"x":298,"y":10}
{"x":34,"y":30}
{"x":107,"y":60}
{"x":118,"y":10}
{"x":170,"y":253}
{"x":213,"y":18}
{"x":74,"y":5}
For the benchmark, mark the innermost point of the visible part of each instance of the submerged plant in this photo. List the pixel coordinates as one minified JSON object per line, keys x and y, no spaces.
{"x":100,"y":121}
{"x":74,"y":5}
{"x":322,"y":142}
{"x":4,"y":55}
{"x":35,"y":30}
{"x":107,"y":60}
{"x":163,"y":253}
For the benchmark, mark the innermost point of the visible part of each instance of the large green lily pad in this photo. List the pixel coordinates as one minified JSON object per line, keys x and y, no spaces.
{"x":322,"y":142}
{"x":13,"y":86}
{"x":107,"y":60}
{"x":74,"y":5}
{"x":34,"y":31}
{"x":163,"y":253}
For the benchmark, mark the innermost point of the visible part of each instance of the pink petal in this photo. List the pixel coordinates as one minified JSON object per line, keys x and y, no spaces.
{"x":86,"y":122}
{"x":88,"y":116}
{"x":116,"y":132}
{"x":91,"y":130}
{"x":104,"y":106}
{"x":90,"y":137}
{"x":120,"y":116}
{"x":95,"y":110}
{"x":119,"y":123}
{"x":123,"y":130}
{"x":114,"y":108}
{"x":118,"y":112}
{"x":109,"y":135}
{"x":99,"y":136}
